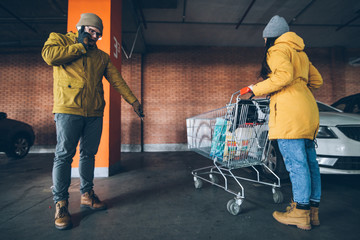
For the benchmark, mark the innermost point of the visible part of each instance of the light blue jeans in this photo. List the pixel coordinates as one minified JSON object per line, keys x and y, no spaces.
{"x":300,"y":161}
{"x":70,"y":129}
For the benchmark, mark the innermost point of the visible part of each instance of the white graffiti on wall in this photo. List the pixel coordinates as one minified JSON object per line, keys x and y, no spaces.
{"x":117,"y":48}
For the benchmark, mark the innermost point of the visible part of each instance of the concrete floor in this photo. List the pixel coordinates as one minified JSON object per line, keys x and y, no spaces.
{"x":154,"y":197}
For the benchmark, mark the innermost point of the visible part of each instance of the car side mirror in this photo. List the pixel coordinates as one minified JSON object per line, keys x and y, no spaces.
{"x":3,"y":115}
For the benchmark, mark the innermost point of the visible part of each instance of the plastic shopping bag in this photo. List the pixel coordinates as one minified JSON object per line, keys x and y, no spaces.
{"x":237,"y":145}
{"x":244,"y":136}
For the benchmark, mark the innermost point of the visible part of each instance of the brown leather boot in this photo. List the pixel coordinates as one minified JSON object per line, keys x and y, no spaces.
{"x":90,"y":200}
{"x":314,"y":216}
{"x":62,"y":215}
{"x":294,"y":216}
{"x":292,"y":204}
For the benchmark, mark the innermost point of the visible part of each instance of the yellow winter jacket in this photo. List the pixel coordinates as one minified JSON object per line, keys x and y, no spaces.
{"x":78,"y":75}
{"x":293,"y":110}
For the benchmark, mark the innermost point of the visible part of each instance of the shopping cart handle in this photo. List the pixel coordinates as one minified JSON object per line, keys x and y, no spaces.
{"x":242,"y":92}
{"x":245,"y":90}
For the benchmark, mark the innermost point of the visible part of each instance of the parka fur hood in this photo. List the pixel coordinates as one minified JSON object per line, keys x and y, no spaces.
{"x":293,"y":110}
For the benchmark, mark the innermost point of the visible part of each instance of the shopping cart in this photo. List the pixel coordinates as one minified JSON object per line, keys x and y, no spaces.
{"x":234,"y":136}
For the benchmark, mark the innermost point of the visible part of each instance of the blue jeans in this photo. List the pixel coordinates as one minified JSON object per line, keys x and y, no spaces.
{"x":70,"y":129}
{"x":300,"y":161}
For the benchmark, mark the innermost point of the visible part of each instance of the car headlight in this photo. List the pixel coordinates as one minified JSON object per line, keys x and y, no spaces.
{"x":325,"y":132}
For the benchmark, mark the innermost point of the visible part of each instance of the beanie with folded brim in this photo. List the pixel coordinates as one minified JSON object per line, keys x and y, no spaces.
{"x":276,"y":27}
{"x":90,"y":19}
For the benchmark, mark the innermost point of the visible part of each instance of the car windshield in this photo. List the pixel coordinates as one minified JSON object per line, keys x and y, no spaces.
{"x":326,"y":108}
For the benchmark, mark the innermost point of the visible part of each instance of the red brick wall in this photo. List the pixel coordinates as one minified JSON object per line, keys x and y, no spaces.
{"x":26,"y":91}
{"x":176,"y":83}
{"x":130,"y":122}
{"x":182,"y":82}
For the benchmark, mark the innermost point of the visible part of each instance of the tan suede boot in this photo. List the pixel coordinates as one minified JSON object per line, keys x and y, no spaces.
{"x":291,"y":205}
{"x":294,"y":216}
{"x":314,"y":216}
{"x":90,"y":200}
{"x":62,"y":216}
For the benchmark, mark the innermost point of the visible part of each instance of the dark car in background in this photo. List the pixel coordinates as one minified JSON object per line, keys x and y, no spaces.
{"x":349,"y":104}
{"x":16,"y":137}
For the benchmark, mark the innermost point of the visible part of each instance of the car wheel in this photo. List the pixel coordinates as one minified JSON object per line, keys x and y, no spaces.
{"x":275,"y":162}
{"x":19,"y":147}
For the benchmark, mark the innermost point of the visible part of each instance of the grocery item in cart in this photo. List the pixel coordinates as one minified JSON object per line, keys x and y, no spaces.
{"x":218,"y":139}
{"x":237,"y":145}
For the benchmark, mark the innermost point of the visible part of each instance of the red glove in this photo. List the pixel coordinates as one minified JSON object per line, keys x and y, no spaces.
{"x":245,"y":90}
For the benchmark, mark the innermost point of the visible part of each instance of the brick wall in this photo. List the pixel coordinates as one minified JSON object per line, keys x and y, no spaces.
{"x":26,"y":91}
{"x":130,"y":122}
{"x":182,"y":82}
{"x":174,"y":83}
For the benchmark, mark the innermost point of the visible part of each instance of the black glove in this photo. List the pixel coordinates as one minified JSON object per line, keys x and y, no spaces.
{"x":138,"y":109}
{"x":84,"y":37}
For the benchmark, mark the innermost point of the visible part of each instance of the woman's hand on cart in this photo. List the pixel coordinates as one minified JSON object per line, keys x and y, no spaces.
{"x":246,"y":90}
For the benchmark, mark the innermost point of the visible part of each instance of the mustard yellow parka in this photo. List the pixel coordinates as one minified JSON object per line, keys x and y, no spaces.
{"x":78,"y":75}
{"x":293,"y":110}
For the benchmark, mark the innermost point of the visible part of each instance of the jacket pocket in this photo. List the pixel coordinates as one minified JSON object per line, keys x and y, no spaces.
{"x":69,"y":93}
{"x":99,"y":103}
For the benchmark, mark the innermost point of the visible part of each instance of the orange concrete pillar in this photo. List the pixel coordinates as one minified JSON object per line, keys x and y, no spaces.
{"x":107,"y":160}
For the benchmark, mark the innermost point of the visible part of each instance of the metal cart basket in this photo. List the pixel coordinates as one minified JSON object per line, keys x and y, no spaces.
{"x":234,"y":136}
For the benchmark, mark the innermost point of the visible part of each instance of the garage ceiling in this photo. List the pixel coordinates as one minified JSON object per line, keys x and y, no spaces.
{"x":322,"y":23}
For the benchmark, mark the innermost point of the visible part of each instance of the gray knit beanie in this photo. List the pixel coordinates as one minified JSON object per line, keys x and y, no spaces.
{"x":276,"y":27}
{"x":90,"y":19}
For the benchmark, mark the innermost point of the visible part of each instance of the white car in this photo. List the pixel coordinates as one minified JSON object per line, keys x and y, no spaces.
{"x":338,"y":140}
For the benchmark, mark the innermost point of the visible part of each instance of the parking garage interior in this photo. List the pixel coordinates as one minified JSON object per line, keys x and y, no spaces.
{"x":181,"y":58}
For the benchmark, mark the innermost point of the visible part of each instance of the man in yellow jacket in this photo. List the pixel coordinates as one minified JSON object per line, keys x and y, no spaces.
{"x":79,"y":67}
{"x":289,"y":78}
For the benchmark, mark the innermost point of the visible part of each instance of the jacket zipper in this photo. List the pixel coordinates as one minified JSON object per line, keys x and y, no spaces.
{"x":84,"y":89}
{"x":275,"y":112}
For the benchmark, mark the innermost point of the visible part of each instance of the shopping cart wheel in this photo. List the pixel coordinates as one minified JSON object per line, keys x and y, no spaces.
{"x":278,"y":196}
{"x":233,"y":207}
{"x":213,"y":178}
{"x":198,"y":183}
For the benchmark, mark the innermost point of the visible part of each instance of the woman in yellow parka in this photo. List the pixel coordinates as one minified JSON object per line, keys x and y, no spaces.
{"x":289,"y":79}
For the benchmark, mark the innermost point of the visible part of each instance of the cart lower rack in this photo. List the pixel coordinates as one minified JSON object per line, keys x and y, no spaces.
{"x":234,"y":136}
